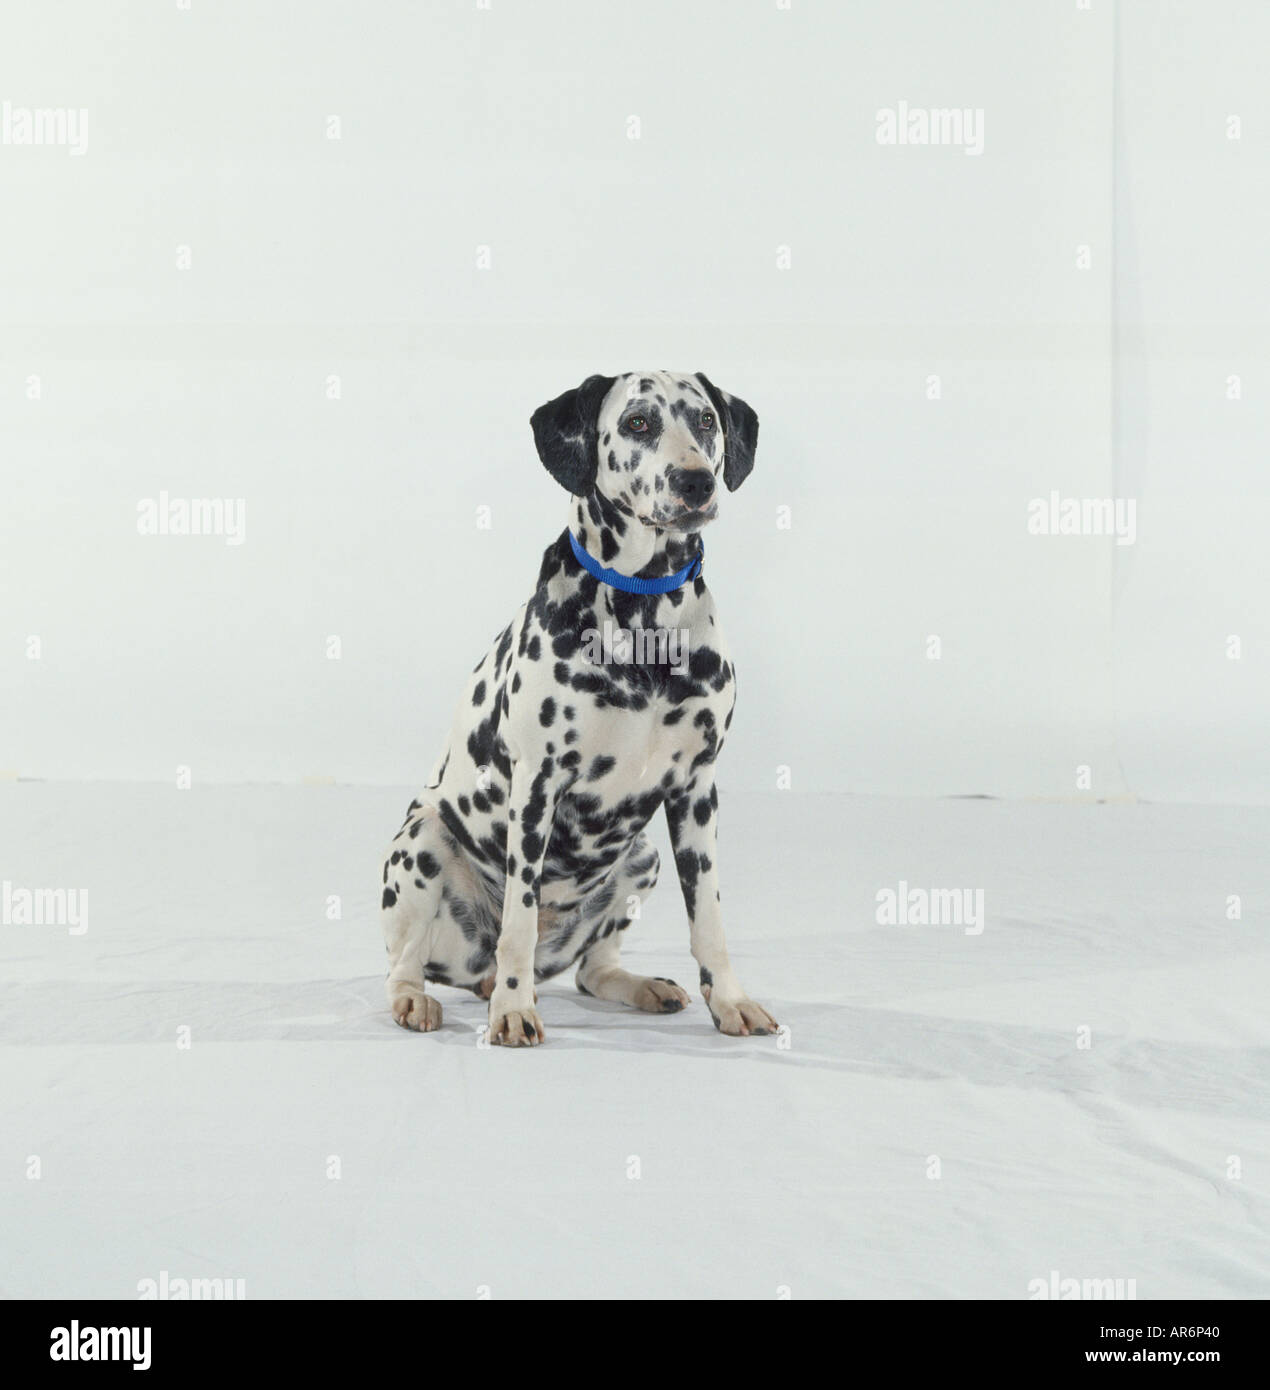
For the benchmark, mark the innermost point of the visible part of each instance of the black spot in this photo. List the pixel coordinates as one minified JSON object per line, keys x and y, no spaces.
{"x":512,"y":982}
{"x":389,"y":898}
{"x":478,"y":695}
{"x":703,"y":663}
{"x":547,"y":714}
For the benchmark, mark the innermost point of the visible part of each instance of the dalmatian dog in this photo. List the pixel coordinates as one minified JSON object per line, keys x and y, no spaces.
{"x":527,"y":851}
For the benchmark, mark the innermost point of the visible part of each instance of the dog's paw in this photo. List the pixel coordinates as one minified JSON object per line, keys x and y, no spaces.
{"x":412,"y":1008}
{"x":660,"y":996}
{"x":741,"y":1018}
{"x":510,"y":1026}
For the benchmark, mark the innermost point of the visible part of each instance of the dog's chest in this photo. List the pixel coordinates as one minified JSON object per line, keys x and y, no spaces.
{"x":642,"y":733}
{"x":635,"y":751}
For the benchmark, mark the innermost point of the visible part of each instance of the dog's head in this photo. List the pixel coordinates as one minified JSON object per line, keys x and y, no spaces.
{"x":654,"y":444}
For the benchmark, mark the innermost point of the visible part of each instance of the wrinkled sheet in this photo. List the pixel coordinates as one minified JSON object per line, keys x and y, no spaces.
{"x":930,"y":1125}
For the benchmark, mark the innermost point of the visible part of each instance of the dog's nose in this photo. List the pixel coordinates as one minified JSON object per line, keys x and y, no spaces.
{"x":694,"y":485}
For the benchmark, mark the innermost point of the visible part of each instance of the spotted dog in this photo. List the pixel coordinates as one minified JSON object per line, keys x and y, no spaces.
{"x":527,"y":852}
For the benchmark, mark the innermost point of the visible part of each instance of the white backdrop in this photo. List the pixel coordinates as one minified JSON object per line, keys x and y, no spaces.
{"x":1193,"y":386}
{"x":218,"y":298}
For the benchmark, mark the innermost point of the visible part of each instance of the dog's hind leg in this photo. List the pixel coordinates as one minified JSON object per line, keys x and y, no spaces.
{"x":409,"y":908}
{"x":599,"y":973}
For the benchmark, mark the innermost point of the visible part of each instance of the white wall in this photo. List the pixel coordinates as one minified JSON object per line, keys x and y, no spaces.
{"x":1193,"y":300}
{"x":508,"y":128}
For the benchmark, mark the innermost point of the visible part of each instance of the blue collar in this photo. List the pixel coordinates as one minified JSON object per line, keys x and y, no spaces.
{"x":629,"y":585}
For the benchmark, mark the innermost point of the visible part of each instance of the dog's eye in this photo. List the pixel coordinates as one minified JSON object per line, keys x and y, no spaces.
{"x":637,"y":424}
{"x":707,"y":419}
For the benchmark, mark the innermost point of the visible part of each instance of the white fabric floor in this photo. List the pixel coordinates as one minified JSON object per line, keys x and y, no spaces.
{"x":639,"y":1156}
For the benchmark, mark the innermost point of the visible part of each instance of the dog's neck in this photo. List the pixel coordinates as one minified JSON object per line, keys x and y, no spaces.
{"x":643,"y":552}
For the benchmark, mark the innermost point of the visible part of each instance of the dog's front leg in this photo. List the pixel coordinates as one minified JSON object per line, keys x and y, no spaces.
{"x":513,"y":1020}
{"x":693,"y":815}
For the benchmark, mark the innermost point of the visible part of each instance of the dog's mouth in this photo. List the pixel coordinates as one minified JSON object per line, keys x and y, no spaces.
{"x":686,"y":519}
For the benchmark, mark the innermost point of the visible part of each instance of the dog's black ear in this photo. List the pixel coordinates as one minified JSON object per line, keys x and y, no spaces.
{"x":740,"y":433}
{"x":566,"y":436}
